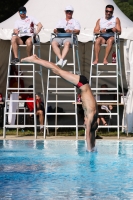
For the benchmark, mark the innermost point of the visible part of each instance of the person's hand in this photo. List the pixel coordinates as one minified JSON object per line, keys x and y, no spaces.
{"x":55,"y":31}
{"x":110,"y":107}
{"x":16,"y":31}
{"x":103,"y":30}
{"x":114,"y":29}
{"x":69,"y":31}
{"x":35,"y":32}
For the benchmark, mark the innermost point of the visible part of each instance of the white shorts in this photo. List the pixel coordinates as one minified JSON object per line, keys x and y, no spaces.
{"x":61,"y":41}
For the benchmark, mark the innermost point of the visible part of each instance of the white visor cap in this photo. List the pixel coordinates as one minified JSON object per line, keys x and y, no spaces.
{"x":69,"y":8}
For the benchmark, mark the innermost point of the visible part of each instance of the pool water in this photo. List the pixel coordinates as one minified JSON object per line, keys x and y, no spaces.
{"x":35,"y":170}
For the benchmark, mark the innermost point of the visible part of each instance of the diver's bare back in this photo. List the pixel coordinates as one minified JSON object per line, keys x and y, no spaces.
{"x":88,"y":101}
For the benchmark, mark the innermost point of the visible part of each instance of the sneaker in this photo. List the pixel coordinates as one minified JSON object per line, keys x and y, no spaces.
{"x":60,"y":63}
{"x":64,"y":63}
{"x":42,"y":130}
{"x":14,"y":61}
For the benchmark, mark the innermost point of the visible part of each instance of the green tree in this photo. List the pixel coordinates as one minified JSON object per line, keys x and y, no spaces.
{"x":9,"y":8}
{"x":126,"y":6}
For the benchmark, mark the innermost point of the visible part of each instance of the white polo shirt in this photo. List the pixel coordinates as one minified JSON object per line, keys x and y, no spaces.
{"x":71,"y":24}
{"x":26,"y":26}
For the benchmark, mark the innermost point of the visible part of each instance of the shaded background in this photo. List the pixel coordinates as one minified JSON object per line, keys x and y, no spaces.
{"x":9,"y":8}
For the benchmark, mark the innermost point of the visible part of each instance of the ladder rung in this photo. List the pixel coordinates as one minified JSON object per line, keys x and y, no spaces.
{"x":107,"y":93}
{"x":54,"y":77}
{"x":104,"y":88}
{"x":20,"y":113}
{"x":21,"y":76}
{"x":70,"y":63}
{"x":62,"y":126}
{"x":61,"y":88}
{"x":19,"y":101}
{"x":60,"y":113}
{"x":23,"y":92}
{"x":108,"y":113}
{"x":24,"y":45}
{"x":19,"y":89}
{"x":108,"y":126}
{"x":106,"y":101}
{"x":81,"y":126}
{"x":31,"y":71}
{"x":104,"y":45}
{"x":24,"y":63}
{"x":63,"y":93}
{"x":60,"y":101}
{"x":60,"y":77}
{"x":104,"y":76}
{"x":107,"y":64}
{"x":106,"y":71}
{"x":19,"y":126}
{"x":95,"y":93}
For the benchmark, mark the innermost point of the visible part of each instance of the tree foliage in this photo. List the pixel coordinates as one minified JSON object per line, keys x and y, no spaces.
{"x":126,"y":6}
{"x":9,"y":8}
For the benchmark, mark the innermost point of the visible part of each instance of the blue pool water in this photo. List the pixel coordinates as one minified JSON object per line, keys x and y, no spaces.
{"x":38,"y":170}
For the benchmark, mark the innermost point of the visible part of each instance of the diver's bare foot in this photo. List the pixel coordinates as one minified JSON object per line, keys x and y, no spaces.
{"x":95,"y":62}
{"x":105,"y":62}
{"x":30,"y":58}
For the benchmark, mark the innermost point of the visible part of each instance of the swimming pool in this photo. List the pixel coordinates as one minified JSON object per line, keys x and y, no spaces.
{"x":64,"y":170}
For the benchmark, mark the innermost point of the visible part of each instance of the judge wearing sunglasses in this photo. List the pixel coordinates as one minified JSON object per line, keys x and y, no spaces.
{"x":106,"y":27}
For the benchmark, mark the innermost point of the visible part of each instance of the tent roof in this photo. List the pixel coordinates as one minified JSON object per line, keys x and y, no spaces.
{"x":86,"y":12}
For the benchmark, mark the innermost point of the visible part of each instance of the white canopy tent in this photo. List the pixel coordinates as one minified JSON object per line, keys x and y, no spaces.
{"x":87,"y":13}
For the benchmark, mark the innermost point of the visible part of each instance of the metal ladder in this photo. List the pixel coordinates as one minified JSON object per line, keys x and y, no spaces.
{"x":28,"y":74}
{"x":57,"y":91}
{"x":115,"y":74}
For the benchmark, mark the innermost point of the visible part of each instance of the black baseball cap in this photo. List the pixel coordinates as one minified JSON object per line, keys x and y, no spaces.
{"x":22,"y":9}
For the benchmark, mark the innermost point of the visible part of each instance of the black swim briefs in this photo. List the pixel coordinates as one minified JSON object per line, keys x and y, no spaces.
{"x":82,"y":81}
{"x":24,"y":38}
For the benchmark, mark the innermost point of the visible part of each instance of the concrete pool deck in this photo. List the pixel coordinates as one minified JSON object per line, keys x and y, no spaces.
{"x":14,"y":137}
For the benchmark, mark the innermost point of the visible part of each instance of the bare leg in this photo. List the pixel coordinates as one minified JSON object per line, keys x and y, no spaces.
{"x":29,"y":46}
{"x":72,"y":78}
{"x":65,"y":49}
{"x":98,"y":43}
{"x":41,"y":117}
{"x":103,"y":121}
{"x":90,"y":139}
{"x":90,"y":135}
{"x":56,"y":49}
{"x":98,"y":120}
{"x":15,"y":41}
{"x":109,"y":42}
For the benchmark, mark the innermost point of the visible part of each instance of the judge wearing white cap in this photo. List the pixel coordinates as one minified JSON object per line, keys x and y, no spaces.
{"x":70,"y":25}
